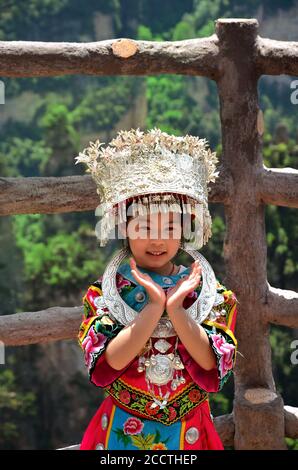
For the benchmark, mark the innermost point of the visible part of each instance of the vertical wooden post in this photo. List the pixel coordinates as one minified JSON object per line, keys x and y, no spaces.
{"x":258,"y":410}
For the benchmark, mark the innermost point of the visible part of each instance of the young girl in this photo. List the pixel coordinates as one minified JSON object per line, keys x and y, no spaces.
{"x":156,"y":336}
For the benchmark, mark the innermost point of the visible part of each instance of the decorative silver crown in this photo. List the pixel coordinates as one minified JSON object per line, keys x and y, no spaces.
{"x":156,"y":171}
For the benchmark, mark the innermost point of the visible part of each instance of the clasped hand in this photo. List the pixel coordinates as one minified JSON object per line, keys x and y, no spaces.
{"x":171,"y":299}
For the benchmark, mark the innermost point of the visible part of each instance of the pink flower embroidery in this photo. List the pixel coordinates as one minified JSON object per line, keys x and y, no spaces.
{"x":92,"y":344}
{"x":133,"y":426}
{"x":121,"y":281}
{"x":226,"y":350}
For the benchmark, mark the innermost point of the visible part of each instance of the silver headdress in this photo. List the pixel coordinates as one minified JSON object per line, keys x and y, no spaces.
{"x":154,"y":171}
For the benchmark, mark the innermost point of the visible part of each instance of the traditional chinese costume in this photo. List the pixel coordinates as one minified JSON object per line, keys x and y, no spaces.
{"x":160,"y":400}
{"x":131,"y":417}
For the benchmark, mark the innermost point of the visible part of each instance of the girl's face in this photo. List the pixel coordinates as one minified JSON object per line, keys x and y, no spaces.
{"x":154,"y":233}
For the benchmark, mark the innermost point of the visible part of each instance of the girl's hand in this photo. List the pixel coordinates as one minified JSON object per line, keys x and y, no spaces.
{"x":155,"y":292}
{"x":176,"y":295}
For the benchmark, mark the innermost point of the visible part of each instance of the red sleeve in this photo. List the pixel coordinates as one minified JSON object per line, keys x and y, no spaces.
{"x":103,"y":374}
{"x":97,"y":329}
{"x":219,"y":327}
{"x":206,"y":379}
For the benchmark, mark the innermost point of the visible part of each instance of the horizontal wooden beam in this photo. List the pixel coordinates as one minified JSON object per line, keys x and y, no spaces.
{"x":291,"y":421}
{"x":56,"y":323}
{"x":121,"y":56}
{"x":73,"y":447}
{"x":276,"y":57}
{"x":48,"y":195}
{"x":225,"y":427}
{"x":278,"y":186}
{"x":125,"y":56}
{"x":281,"y":307}
{"x":52,"y":324}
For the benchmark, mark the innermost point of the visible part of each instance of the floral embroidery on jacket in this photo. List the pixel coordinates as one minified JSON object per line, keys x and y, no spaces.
{"x":226,"y":352}
{"x":141,"y":403}
{"x":93,"y":344}
{"x":132,"y":432}
{"x":224,"y":346}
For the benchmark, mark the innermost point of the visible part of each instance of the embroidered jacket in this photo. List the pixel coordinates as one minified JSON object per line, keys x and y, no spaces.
{"x":128,"y":387}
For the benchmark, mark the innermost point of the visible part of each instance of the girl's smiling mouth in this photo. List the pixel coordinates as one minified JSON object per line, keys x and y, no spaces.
{"x":156,"y":253}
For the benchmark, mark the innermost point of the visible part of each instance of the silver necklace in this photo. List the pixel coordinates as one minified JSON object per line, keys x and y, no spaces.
{"x":124,"y":314}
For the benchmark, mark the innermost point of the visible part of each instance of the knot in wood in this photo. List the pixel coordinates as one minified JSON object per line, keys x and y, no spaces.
{"x":124,"y":48}
{"x":259,"y":395}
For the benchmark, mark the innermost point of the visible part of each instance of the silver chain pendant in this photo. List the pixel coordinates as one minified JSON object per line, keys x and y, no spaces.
{"x":162,"y":371}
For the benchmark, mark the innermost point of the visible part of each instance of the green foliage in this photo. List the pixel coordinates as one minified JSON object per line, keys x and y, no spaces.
{"x":57,"y":126}
{"x":16,"y":15}
{"x":207,"y":29}
{"x":201,"y":19}
{"x":292,"y":443}
{"x":144,"y":33}
{"x":171,"y":106}
{"x":103,"y":106}
{"x":219,"y":404}
{"x":281,"y":222}
{"x":166,"y":103}
{"x":57,"y":260}
{"x":285,"y":372}
{"x":24,"y":157}
{"x":160,"y":17}
{"x":15,"y":405}
{"x":183,"y":30}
